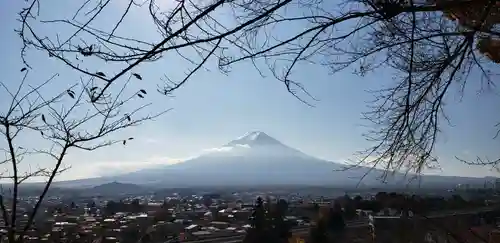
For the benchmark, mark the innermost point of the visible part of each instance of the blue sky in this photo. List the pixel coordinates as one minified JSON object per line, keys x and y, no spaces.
{"x":213,"y":109}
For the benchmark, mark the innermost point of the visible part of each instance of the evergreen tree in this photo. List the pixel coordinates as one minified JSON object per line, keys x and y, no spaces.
{"x":281,"y":228}
{"x":268,"y":223}
{"x":316,"y":207}
{"x":336,"y":223}
{"x":318,"y":232}
{"x":336,"y":220}
{"x":111,"y":208}
{"x":257,"y":232}
{"x":135,"y":206}
{"x":329,"y":227}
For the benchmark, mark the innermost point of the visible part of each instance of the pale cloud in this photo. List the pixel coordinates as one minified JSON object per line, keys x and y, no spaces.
{"x":358,"y":160}
{"x":441,"y":167}
{"x":112,"y":167}
{"x":152,"y":141}
{"x":221,"y":149}
{"x":108,"y":168}
{"x":226,"y":148}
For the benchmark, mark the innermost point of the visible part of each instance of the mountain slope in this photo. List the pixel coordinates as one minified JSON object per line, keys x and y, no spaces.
{"x":115,"y":188}
{"x":253,"y":159}
{"x":258,"y":159}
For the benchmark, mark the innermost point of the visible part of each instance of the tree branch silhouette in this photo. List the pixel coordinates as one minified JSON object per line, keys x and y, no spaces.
{"x":63,"y":121}
{"x":431,"y":46}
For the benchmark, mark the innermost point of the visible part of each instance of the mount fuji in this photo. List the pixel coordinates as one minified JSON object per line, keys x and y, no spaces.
{"x":258,"y":159}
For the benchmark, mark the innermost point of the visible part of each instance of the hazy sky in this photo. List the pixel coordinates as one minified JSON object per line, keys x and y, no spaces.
{"x":213,"y":108}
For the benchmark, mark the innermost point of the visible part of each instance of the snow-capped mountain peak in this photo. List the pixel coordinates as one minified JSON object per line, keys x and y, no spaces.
{"x":255,"y":144}
{"x":258,"y":159}
{"x":255,"y":138}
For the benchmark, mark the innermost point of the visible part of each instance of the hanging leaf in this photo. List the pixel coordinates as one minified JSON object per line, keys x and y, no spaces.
{"x":128,"y":117}
{"x":130,"y":138}
{"x":93,"y":89}
{"x":71,"y":94}
{"x":41,"y":132}
{"x":101,"y":74}
{"x":143,"y":91}
{"x":43,"y":118}
{"x":137,"y":76}
{"x":124,"y":142}
{"x":23,"y":69}
{"x":140,"y":95}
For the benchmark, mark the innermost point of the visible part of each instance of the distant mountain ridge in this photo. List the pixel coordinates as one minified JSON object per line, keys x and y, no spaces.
{"x":259,"y":159}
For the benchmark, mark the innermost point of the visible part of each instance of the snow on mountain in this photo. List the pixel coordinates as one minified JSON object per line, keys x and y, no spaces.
{"x":258,"y":159}
{"x":255,"y":138}
{"x":256,"y":145}
{"x":253,"y":159}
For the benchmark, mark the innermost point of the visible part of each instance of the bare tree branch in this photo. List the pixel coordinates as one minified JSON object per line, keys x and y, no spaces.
{"x":432,"y":47}
{"x":65,"y":120}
